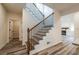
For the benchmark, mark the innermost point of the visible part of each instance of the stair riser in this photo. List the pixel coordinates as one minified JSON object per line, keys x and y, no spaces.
{"x":39,"y":35}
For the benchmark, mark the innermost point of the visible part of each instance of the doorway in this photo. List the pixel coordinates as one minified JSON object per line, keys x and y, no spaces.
{"x":13,"y":29}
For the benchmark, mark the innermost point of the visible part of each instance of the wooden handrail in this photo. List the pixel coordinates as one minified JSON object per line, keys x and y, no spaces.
{"x":38,"y":10}
{"x":40,"y":22}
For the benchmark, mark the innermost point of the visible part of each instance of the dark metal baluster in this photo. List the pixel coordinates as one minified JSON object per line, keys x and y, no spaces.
{"x":31,"y":41}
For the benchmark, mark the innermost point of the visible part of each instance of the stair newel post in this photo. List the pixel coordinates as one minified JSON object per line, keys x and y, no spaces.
{"x":31,"y":40}
{"x":28,"y":41}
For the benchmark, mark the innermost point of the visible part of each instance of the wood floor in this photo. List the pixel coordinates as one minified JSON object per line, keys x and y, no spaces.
{"x":14,"y":47}
{"x":64,"y":48}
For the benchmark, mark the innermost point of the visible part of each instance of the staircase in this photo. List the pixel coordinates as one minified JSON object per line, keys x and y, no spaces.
{"x":42,"y":38}
{"x":39,"y":35}
{"x":46,"y":44}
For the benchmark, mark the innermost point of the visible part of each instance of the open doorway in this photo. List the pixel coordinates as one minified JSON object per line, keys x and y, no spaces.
{"x":13,"y":29}
{"x":67,"y":27}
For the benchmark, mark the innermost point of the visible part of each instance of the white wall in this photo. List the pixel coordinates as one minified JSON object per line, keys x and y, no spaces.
{"x":75,"y":19}
{"x":76,"y":24}
{"x":57,"y":25}
{"x":68,"y":21}
{"x":54,"y":35}
{"x":3,"y":27}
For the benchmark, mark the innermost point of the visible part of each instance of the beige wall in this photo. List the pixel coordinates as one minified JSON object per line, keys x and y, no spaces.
{"x":3,"y":27}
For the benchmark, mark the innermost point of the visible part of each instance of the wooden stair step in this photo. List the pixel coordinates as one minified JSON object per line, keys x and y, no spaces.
{"x":11,"y":45}
{"x":72,"y":51}
{"x":16,"y":49}
{"x":11,"y":50}
{"x":67,"y":50}
{"x":48,"y":50}
{"x":43,"y":31}
{"x":63,"y":51}
{"x":57,"y":49}
{"x":41,"y":34}
{"x":48,"y":26}
{"x":46,"y":29}
{"x":37,"y":37}
{"x":35,"y":41}
{"x":21,"y":52}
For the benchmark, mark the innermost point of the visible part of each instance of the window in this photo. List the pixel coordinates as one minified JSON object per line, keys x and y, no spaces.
{"x":44,"y":9}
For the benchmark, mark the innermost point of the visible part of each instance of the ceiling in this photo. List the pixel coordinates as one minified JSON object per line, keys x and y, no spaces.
{"x":64,"y":7}
{"x":14,"y":7}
